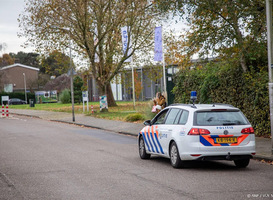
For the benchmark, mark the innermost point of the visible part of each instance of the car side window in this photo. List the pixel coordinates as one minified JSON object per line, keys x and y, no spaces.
{"x":178,"y":116}
{"x":161,"y":117}
{"x":184,"y":117}
{"x":172,"y":116}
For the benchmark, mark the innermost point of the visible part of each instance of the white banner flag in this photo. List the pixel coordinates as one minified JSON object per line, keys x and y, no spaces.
{"x":158,"y":54}
{"x":124,"y":34}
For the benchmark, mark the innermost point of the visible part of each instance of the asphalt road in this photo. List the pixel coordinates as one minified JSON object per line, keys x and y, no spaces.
{"x":48,"y":160}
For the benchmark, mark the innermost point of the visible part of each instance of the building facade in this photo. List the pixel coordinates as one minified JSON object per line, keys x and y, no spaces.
{"x":18,"y":77}
{"x":147,"y":80}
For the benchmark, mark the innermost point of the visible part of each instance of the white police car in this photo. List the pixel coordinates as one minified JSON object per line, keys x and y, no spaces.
{"x":198,"y":132}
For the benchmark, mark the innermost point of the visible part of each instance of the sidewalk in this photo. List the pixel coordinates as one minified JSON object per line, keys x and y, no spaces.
{"x":263,"y":145}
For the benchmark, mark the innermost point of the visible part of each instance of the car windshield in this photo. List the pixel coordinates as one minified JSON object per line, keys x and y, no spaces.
{"x":219,"y":118}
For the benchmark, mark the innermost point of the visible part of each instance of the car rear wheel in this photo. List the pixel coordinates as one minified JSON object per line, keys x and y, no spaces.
{"x":241,"y":163}
{"x":142,"y":149}
{"x":174,"y":156}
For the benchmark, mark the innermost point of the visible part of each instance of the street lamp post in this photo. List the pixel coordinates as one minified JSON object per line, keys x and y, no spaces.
{"x":71,"y":71}
{"x":72,"y":84}
{"x":25,"y":87}
{"x":270,"y":62}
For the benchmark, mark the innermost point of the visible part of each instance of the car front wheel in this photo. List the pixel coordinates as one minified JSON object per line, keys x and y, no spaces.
{"x":174,"y":156}
{"x":241,"y":163}
{"x":142,"y":149}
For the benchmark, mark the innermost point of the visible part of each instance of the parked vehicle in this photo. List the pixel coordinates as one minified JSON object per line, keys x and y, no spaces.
{"x":16,"y":101}
{"x":198,"y":132}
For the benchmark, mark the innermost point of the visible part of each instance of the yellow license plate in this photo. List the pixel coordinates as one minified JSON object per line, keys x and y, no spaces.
{"x":228,"y":140}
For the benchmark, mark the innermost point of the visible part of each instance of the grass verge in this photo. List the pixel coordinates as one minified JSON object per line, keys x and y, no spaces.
{"x":125,"y":111}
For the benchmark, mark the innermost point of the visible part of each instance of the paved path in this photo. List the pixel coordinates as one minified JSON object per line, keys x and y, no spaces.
{"x":263,"y":145}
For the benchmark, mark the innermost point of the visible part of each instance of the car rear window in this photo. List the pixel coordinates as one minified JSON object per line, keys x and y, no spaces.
{"x":219,"y":118}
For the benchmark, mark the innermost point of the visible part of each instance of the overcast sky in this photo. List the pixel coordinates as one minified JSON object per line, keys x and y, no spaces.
{"x":9,"y":26}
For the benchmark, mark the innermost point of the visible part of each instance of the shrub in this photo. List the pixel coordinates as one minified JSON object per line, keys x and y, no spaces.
{"x":134,"y":117}
{"x":65,"y":96}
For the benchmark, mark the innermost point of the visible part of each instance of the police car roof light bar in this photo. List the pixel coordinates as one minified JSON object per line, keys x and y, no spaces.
{"x":193,"y":96}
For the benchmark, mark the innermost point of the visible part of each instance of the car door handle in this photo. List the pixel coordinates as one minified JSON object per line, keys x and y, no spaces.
{"x":170,"y":129}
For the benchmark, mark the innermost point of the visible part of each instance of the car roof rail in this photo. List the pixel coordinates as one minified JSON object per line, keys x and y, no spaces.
{"x":194,"y":106}
{"x":183,"y":104}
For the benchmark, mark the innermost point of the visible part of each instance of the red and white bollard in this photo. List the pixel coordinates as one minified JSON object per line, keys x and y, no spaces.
{"x":3,"y":110}
{"x":7,"y":110}
{"x":92,"y":110}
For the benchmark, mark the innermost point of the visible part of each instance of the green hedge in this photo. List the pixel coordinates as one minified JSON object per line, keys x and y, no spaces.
{"x":222,"y":83}
{"x":19,"y":95}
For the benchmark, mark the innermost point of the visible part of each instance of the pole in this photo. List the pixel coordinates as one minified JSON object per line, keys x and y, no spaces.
{"x":3,"y":110}
{"x":7,"y":110}
{"x":164,"y":69}
{"x":133,"y":85}
{"x":117,"y":87}
{"x":270,"y":65}
{"x":152,"y":91}
{"x":25,"y":87}
{"x":72,"y":84}
{"x":87,"y":96}
{"x":142,"y":90}
{"x":164,"y":79}
{"x":71,"y":68}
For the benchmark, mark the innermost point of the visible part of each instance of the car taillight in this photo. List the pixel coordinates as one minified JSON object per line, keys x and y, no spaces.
{"x":249,"y":130}
{"x":198,"y":131}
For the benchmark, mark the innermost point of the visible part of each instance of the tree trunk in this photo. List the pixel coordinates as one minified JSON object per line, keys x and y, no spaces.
{"x":110,"y":98}
{"x":108,"y":91}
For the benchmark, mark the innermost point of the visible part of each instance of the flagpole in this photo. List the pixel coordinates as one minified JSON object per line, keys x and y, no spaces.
{"x":133,"y":85}
{"x":164,"y":67}
{"x":126,"y":49}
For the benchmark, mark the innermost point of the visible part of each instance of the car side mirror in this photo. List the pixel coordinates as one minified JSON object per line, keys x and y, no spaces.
{"x":147,"y":123}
